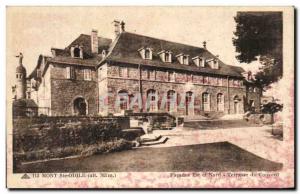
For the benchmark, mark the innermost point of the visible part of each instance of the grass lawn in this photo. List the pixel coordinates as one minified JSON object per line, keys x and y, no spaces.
{"x":221,"y":156}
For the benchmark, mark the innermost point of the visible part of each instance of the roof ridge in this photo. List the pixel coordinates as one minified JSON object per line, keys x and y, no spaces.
{"x":97,"y":36}
{"x":183,"y":44}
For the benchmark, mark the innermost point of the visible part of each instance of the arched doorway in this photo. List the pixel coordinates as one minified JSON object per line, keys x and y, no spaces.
{"x":152,"y":101}
{"x":171,"y":101}
{"x":236,"y":104}
{"x":220,"y":102}
{"x":80,"y":106}
{"x":189,"y":103}
{"x":206,"y":101}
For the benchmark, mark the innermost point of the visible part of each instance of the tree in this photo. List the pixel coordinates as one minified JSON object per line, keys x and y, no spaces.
{"x":271,"y":108}
{"x":258,"y":36}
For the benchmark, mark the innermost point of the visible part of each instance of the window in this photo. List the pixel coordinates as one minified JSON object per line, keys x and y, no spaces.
{"x":205,"y":80}
{"x":171,"y":101}
{"x":87,"y":73}
{"x":128,"y":72}
{"x":151,"y":74}
{"x":148,"y":54}
{"x":123,"y":72}
{"x":236,"y":83}
{"x":171,"y":76}
{"x":206,"y":101}
{"x":189,"y":77}
{"x":198,"y":61}
{"x":185,"y":59}
{"x":202,"y":62}
{"x":215,"y":64}
{"x":220,"y":102}
{"x":189,"y":103}
{"x":151,"y":100}
{"x":76,"y":52}
{"x":167,"y":57}
{"x":70,"y":72}
{"x":123,"y":100}
{"x":219,"y":82}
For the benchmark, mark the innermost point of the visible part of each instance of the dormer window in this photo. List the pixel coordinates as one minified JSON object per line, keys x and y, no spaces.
{"x":77,"y":52}
{"x":214,"y":63}
{"x":146,"y":53}
{"x":199,"y":61}
{"x":166,"y":56}
{"x":183,"y":59}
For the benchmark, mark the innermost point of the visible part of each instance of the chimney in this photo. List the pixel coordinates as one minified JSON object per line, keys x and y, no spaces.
{"x":204,"y":44}
{"x":123,"y":26}
{"x":94,"y":41}
{"x":117,"y":27}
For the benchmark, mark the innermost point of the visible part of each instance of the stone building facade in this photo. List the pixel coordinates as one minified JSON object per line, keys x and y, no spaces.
{"x":100,"y":76}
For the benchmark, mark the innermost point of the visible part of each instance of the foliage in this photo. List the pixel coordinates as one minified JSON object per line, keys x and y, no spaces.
{"x":53,"y":135}
{"x":271,"y":108}
{"x":258,"y":36}
{"x":83,"y":150}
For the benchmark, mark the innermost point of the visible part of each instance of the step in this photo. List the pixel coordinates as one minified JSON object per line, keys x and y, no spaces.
{"x":162,"y":140}
{"x":150,"y":138}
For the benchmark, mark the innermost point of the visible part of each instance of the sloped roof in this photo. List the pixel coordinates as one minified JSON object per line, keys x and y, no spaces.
{"x":92,"y":62}
{"x":125,"y":50}
{"x":64,"y":56}
{"x":84,"y":40}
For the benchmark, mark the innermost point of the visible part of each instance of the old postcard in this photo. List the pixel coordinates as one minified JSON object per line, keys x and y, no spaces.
{"x":150,"y":97}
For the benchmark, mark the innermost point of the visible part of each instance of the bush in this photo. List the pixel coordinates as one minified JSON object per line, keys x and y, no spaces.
{"x":83,"y":150}
{"x":59,"y":135}
{"x":132,"y":134}
{"x":106,"y":147}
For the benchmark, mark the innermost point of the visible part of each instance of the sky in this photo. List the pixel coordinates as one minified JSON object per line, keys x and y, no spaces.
{"x":34,"y":31}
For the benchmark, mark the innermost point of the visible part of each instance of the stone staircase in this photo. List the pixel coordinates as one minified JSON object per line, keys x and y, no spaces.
{"x":156,"y":121}
{"x":150,"y":139}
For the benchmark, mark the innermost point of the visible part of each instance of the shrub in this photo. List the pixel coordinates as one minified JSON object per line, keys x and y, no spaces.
{"x":106,"y":147}
{"x":132,"y":134}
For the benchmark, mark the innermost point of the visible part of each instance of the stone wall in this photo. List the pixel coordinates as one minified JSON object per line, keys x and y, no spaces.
{"x":65,"y":91}
{"x":130,"y":83}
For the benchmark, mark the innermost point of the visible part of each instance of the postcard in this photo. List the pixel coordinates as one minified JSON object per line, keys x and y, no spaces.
{"x":150,"y":97}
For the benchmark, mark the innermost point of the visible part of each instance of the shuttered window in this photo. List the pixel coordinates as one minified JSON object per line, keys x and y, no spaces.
{"x":87,"y":73}
{"x":70,"y":72}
